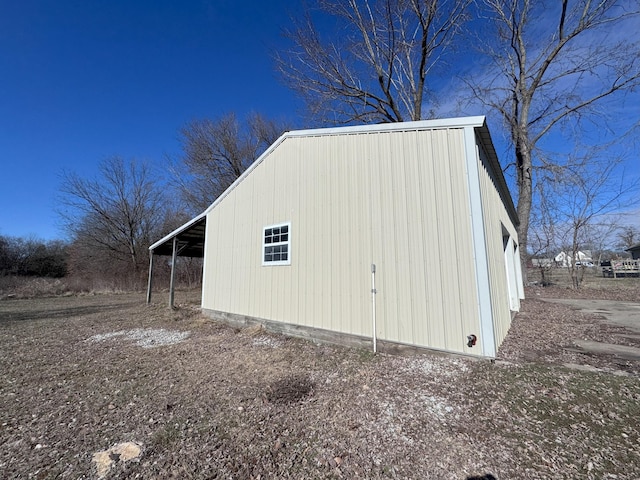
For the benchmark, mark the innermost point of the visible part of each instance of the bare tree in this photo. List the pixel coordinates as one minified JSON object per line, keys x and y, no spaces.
{"x":628,"y":236}
{"x":543,"y":245}
{"x":113,"y":218}
{"x":378,"y":62}
{"x":579,"y":203}
{"x":601,"y":237}
{"x":552,"y":64}
{"x":216,"y":152}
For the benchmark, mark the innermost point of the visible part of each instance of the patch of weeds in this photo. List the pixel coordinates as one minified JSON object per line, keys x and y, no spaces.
{"x":166,"y":435}
{"x":365,"y":355}
{"x":206,"y":428}
{"x":388,"y":471}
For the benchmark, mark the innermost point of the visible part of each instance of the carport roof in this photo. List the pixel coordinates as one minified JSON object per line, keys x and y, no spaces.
{"x":190,"y":239}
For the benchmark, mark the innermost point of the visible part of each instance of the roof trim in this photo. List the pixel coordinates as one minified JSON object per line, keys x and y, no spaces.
{"x":178,"y":231}
{"x":503,"y":189}
{"x":477,"y":122}
{"x":461,"y":122}
{"x":458,"y":122}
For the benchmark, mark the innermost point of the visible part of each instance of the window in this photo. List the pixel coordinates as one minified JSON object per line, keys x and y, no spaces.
{"x":276,"y":245}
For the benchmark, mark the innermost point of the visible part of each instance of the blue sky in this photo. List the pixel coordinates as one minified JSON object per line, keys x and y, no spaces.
{"x":82,"y":81}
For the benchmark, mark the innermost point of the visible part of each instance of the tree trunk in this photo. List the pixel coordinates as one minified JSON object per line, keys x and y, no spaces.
{"x":525,"y":193}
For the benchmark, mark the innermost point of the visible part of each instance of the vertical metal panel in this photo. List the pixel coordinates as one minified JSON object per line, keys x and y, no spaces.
{"x":209,"y":279}
{"x":417,"y":249}
{"x":434,"y":318}
{"x":511,"y":272}
{"x":496,"y":219}
{"x":305,"y":259}
{"x":519,"y":280}
{"x":387,"y":249}
{"x":448,"y":255}
{"x":396,"y":199}
{"x":462,"y":244}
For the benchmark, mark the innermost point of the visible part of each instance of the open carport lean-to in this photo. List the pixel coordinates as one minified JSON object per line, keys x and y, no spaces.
{"x":186,"y":241}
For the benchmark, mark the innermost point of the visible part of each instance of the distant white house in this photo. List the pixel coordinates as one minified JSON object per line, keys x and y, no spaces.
{"x":400,"y":235}
{"x":563,"y":259}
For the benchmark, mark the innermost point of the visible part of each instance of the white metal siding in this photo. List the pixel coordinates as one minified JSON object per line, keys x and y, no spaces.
{"x":396,"y":199}
{"x":496,"y":219}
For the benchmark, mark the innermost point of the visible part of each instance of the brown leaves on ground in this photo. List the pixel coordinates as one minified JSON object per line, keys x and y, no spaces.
{"x":230,"y":403}
{"x":546,"y":332}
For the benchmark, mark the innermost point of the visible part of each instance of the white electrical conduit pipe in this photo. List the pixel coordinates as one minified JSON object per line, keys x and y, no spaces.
{"x":373,"y":305}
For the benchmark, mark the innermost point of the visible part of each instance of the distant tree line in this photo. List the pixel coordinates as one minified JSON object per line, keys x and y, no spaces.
{"x":32,"y":257}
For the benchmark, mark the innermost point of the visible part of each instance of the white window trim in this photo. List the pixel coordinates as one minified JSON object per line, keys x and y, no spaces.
{"x":288,"y":243}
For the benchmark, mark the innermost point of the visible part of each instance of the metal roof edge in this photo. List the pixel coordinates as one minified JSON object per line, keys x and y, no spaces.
{"x":178,"y":230}
{"x":244,"y":174}
{"x":456,"y":122}
{"x":194,"y":220}
{"x":478,"y":122}
{"x":503,"y":189}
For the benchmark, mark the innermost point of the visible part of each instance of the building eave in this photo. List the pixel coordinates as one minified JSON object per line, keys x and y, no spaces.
{"x":477,"y":122}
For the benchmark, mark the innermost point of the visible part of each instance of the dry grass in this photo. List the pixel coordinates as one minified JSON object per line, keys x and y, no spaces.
{"x":229,"y":403}
{"x":593,"y":285}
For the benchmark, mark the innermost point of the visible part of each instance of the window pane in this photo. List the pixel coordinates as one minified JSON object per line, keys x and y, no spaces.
{"x":275,"y":244}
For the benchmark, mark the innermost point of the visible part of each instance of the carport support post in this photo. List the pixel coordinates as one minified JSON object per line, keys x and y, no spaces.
{"x":149,"y":284}
{"x":174,"y":256}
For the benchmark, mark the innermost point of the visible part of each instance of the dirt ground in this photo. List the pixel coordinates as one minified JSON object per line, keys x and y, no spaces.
{"x":105,"y":386}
